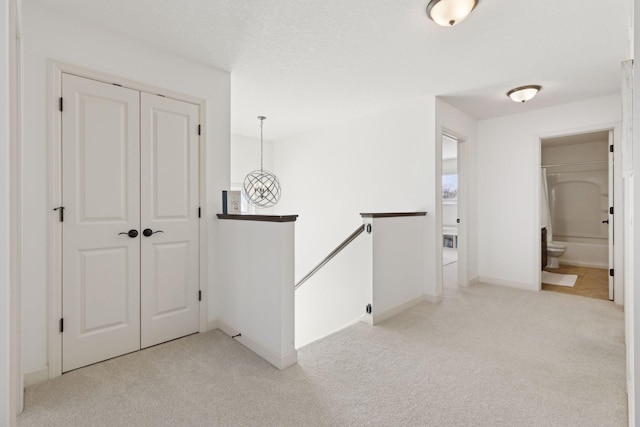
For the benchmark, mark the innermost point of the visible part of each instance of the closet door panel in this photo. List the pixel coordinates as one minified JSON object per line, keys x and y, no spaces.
{"x":169,"y":210}
{"x":100,"y":192}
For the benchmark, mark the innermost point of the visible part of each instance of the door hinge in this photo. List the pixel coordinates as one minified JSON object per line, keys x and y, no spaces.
{"x":611,"y":210}
{"x":60,"y":104}
{"x":611,"y":272}
{"x":199,"y":295}
{"x":611,"y":148}
{"x":199,"y":129}
{"x":60,"y":213}
{"x":199,"y":212}
{"x":62,"y":325}
{"x":368,"y":309}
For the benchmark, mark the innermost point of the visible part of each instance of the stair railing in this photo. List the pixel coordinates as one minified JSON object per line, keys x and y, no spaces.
{"x":333,"y":253}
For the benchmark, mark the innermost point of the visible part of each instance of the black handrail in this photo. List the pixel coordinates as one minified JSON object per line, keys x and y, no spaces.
{"x":333,"y":253}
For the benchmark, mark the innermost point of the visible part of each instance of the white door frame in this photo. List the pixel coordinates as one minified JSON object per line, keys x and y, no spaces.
{"x":54,"y":127}
{"x":618,"y":246}
{"x":611,"y":170}
{"x":16,"y":385}
{"x":463,"y":270}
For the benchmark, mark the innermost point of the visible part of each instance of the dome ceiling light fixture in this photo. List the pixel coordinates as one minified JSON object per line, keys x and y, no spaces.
{"x":524,"y":93}
{"x":261,"y":188}
{"x":448,"y":13}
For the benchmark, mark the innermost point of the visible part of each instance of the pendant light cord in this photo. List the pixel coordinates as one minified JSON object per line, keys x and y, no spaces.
{"x":261,"y":142}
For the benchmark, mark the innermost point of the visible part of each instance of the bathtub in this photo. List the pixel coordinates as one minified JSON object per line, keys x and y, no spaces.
{"x":579,"y":202}
{"x":585,"y":252}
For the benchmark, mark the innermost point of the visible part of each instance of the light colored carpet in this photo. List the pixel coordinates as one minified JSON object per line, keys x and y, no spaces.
{"x":485,"y":356}
{"x":449,"y":256}
{"x":559,"y":279}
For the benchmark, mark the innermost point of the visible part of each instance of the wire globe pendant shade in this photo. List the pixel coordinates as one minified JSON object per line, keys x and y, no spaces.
{"x":261,"y":188}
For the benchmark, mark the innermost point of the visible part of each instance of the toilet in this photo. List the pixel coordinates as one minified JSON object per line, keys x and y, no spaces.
{"x":554,"y":251}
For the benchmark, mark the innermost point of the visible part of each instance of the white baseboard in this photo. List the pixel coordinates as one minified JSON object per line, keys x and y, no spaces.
{"x":212,"y":324}
{"x":474,"y":280}
{"x":37,"y":376}
{"x":434,"y":299}
{"x":366,"y":318}
{"x":375,"y":318}
{"x":631,"y":403}
{"x":384,"y":315}
{"x":508,"y":283}
{"x":268,"y":354}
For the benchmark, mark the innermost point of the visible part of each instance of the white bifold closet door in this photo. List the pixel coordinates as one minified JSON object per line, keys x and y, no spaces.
{"x":129,"y":163}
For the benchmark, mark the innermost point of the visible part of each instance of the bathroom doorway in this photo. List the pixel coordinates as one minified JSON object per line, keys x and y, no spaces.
{"x":576,"y":214}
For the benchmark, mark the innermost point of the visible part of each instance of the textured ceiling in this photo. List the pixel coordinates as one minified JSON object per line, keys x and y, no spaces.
{"x":307,"y":63}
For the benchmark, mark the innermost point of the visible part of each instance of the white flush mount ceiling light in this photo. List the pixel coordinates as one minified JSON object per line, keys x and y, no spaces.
{"x":450,"y":12}
{"x":523,"y":93}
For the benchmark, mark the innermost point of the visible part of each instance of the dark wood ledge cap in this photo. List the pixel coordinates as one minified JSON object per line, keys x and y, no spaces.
{"x":391,"y":214}
{"x":267,"y":218}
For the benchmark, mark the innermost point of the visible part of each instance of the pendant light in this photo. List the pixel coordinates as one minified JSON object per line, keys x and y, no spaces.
{"x":448,"y":13}
{"x":261,"y":188}
{"x":524,"y":93}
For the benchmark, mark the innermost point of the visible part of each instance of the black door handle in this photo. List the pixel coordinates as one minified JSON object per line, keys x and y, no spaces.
{"x":130,"y":233}
{"x":606,"y":221}
{"x":148,"y":232}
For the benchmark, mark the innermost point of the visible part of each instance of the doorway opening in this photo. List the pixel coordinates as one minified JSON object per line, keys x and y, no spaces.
{"x":450,"y":218}
{"x":576,"y":214}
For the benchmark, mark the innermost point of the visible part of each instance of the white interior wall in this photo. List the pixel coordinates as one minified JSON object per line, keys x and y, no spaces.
{"x":245,"y":157}
{"x":453,"y":121}
{"x":508,"y":167}
{"x":383,"y":162}
{"x":5,"y":413}
{"x":336,"y":295}
{"x":258,"y":301}
{"x":396,"y":257}
{"x":49,"y":36}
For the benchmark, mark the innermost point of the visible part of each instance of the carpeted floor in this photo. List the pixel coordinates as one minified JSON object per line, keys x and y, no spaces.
{"x":485,"y":356}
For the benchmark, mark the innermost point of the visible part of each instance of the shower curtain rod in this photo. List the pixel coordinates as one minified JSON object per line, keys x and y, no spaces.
{"x":575,"y":164}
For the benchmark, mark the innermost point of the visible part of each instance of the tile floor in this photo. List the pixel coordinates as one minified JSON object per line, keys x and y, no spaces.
{"x":592,"y":282}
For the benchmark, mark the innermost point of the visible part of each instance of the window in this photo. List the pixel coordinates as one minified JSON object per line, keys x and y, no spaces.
{"x":449,"y":187}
